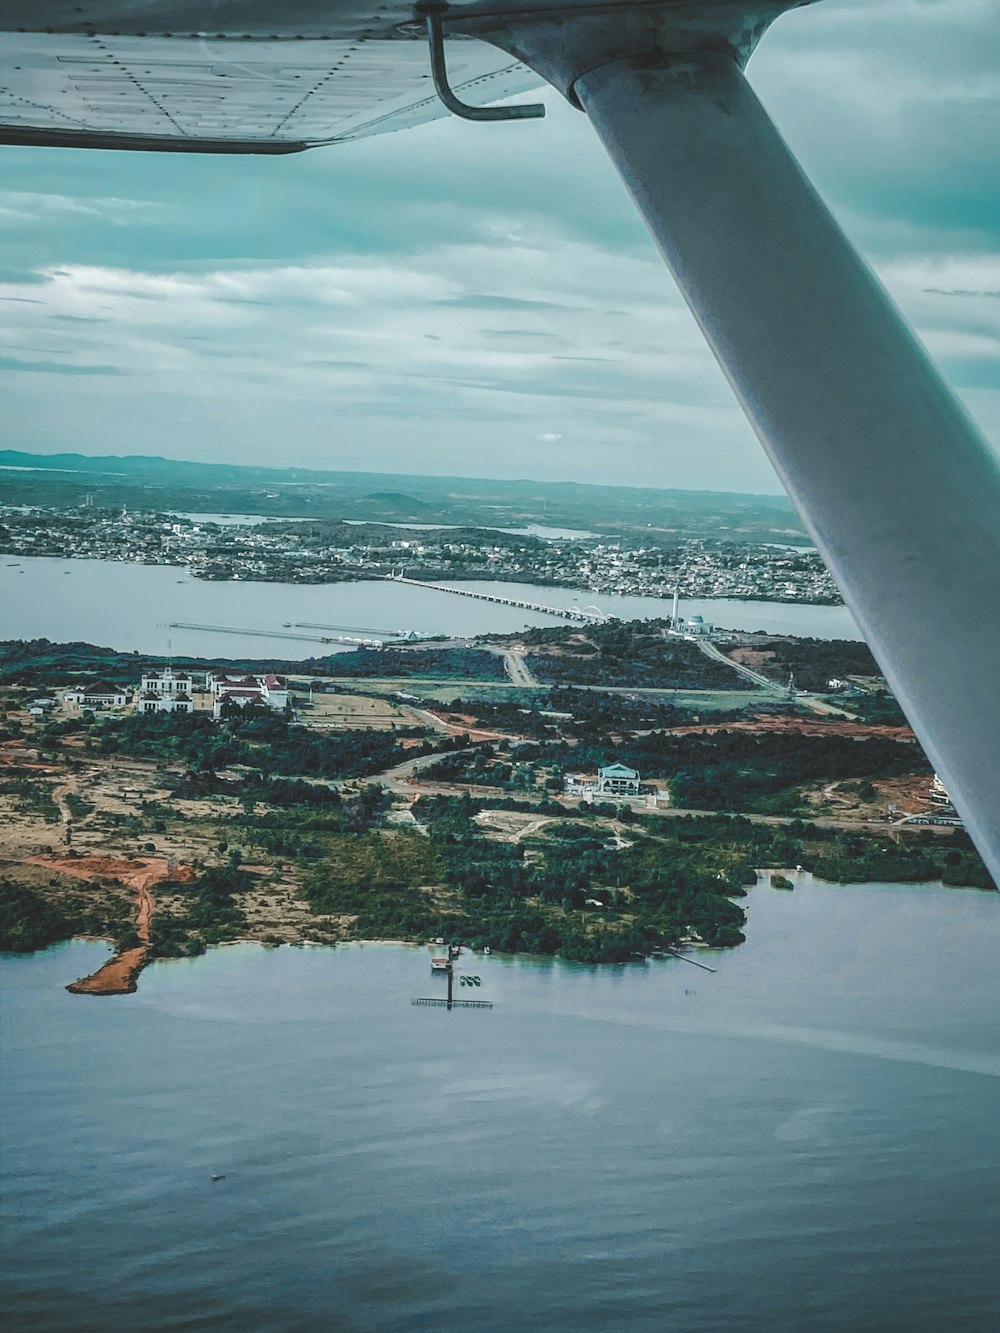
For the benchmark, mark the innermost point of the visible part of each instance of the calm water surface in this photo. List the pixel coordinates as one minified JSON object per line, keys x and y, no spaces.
{"x":806,"y":1140}
{"x":129,"y":607}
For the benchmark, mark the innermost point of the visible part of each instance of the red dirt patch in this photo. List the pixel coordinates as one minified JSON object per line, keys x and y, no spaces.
{"x":463,"y":722}
{"x":17,"y":752}
{"x":908,"y":794}
{"x":807,"y":726}
{"x":758,"y":658}
{"x":119,"y":975}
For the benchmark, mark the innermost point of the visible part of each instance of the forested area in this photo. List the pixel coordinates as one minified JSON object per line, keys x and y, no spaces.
{"x":789,"y":756}
{"x":759,"y":771}
{"x":33,"y":918}
{"x":850,"y":859}
{"x":711,"y":770}
{"x":814,"y":662}
{"x":878,"y":708}
{"x":627,"y":654}
{"x":573,"y":713}
{"x":255,"y":738}
{"x":487,"y":891}
{"x":211,"y":912}
{"x":439,"y":663}
{"x":40,"y":662}
{"x":28,"y":922}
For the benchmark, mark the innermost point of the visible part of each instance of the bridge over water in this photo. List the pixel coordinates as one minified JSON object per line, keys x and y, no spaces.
{"x":588,"y":615}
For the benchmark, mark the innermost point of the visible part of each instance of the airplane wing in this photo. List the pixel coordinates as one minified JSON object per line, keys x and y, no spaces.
{"x":231,"y":76}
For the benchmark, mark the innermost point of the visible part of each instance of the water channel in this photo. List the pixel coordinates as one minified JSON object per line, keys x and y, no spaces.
{"x":129,"y":607}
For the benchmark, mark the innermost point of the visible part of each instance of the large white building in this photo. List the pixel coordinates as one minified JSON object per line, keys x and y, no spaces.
{"x":96,"y":694}
{"x":617,"y":780}
{"x":167,"y":683}
{"x":612,"y":780}
{"x":151,"y":702}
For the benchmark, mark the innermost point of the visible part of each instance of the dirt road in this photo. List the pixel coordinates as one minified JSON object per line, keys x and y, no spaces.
{"x":119,"y":975}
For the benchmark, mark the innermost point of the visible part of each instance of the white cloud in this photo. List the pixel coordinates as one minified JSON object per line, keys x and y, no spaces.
{"x":35,"y":205}
{"x":446,"y":299}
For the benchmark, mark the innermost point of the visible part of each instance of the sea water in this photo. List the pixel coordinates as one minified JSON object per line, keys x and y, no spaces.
{"x":131,"y":607}
{"x":804,"y":1139}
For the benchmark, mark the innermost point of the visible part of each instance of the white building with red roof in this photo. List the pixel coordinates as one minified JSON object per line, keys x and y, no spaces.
{"x":265,"y":691}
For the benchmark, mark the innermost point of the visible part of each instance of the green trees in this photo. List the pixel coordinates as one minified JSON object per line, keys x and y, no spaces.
{"x":434,"y":663}
{"x":27,"y":921}
{"x":211,"y":913}
{"x":255,"y":738}
{"x":813,"y":662}
{"x":633,"y":653}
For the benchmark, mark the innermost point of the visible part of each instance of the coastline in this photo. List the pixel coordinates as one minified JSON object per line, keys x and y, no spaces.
{"x":119,"y":974}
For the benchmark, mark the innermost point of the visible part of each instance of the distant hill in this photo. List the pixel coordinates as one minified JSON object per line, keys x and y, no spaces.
{"x":143,"y":482}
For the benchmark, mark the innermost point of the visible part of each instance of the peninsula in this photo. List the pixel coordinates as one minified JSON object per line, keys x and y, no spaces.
{"x":173,"y":806}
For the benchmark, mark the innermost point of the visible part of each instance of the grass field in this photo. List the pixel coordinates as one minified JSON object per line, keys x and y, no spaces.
{"x":443,"y":691}
{"x":352,"y":711}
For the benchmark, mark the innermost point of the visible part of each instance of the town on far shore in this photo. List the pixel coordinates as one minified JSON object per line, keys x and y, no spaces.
{"x":648,"y":564}
{"x":602,"y":793}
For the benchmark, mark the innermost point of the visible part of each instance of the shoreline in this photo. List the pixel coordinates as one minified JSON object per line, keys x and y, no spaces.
{"x":119,"y":974}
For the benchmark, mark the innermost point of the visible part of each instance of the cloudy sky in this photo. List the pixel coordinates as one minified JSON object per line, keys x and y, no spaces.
{"x":482,"y":300}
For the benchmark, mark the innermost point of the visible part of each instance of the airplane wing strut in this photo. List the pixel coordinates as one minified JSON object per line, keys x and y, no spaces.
{"x":898,"y":489}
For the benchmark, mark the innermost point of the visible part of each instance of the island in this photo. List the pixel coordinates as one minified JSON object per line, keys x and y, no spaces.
{"x":603,"y":795}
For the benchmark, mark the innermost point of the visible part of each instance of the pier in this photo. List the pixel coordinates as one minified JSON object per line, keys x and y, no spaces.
{"x":587,"y":616}
{"x":397,"y":635}
{"x":278,"y":634}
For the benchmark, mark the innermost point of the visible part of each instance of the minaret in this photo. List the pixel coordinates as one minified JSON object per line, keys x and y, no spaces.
{"x":674,"y":615}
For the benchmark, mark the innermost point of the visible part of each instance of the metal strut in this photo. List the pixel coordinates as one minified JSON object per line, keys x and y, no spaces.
{"x":431,"y":11}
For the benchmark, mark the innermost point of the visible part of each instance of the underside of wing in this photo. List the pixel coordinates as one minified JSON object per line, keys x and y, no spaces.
{"x":226,"y":77}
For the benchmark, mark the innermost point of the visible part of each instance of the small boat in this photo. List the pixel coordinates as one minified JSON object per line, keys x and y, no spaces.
{"x":222,"y":1177}
{"x":486,"y":948}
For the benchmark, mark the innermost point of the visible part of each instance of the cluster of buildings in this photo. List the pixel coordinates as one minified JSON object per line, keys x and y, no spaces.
{"x":290,"y":552}
{"x":170,"y":691}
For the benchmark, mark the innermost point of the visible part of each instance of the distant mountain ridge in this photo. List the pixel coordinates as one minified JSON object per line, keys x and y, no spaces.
{"x":642,"y":514}
{"x":383,"y":483}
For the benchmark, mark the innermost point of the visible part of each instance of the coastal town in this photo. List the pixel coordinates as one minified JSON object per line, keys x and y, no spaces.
{"x":321,"y":551}
{"x":598,"y":789}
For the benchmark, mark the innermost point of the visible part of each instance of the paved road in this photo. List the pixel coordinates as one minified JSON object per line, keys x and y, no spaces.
{"x":398,"y":781}
{"x":398,"y":775}
{"x":748,"y":673}
{"x":771,"y":686}
{"x":517,"y":669}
